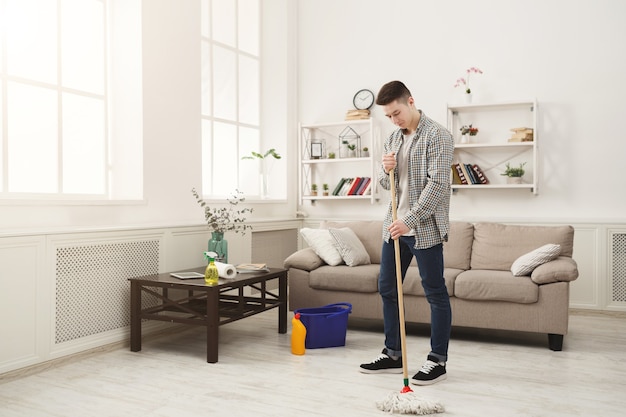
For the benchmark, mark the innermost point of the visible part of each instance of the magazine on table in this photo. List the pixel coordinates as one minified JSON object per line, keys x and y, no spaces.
{"x":250,"y":268}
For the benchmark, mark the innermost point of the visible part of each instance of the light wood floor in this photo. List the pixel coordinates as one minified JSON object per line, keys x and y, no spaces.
{"x":489,"y":374}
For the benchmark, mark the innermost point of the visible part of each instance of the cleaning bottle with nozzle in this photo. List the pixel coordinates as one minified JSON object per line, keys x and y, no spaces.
{"x":211,"y":274}
{"x":298,"y":335}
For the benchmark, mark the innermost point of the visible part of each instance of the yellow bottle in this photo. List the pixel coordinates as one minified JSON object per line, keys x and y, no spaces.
{"x":211,"y":275}
{"x":298,"y":335}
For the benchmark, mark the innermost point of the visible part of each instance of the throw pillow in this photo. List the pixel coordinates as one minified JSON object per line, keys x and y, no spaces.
{"x":526,"y":263}
{"x":350,"y":247}
{"x":562,"y":269}
{"x":323,"y":244}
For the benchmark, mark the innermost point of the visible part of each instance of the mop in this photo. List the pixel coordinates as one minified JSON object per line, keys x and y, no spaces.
{"x":405,"y":401}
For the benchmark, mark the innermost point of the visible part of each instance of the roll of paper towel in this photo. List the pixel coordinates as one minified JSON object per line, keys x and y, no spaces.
{"x":227,"y":271}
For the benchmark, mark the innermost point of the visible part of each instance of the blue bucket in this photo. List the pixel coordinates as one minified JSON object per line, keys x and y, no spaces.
{"x":325,"y":326}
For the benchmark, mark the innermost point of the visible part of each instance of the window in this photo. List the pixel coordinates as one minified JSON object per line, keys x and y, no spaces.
{"x":231,"y":63}
{"x":56,"y":105}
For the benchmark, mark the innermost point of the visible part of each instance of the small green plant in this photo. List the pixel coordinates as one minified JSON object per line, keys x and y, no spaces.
{"x":325,"y":187}
{"x":331,"y":155}
{"x":352,"y":146}
{"x":314,"y":188}
{"x":365,"y":149}
{"x":514,"y":172}
{"x":272,"y":152}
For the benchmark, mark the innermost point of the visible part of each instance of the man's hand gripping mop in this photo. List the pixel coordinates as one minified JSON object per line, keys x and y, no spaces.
{"x":405,"y":401}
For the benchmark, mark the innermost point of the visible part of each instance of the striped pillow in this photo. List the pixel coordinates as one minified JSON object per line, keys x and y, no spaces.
{"x":526,"y":263}
{"x":350,"y":247}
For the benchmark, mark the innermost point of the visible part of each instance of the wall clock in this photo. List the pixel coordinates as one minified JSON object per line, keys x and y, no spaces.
{"x":363,"y":99}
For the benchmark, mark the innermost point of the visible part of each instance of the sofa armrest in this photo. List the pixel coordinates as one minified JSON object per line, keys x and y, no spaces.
{"x":305,"y":259}
{"x":561,"y":269}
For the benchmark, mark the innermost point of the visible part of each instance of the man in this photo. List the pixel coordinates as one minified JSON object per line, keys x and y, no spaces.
{"x":420,"y":152}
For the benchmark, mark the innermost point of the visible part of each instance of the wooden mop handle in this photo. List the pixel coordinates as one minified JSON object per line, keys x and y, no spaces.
{"x":396,"y":246}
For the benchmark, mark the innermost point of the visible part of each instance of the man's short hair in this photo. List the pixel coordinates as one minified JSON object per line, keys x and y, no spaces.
{"x":393,"y":90}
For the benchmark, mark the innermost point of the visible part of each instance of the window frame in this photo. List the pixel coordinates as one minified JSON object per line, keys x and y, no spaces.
{"x":122,"y":182}
{"x":244,"y":170}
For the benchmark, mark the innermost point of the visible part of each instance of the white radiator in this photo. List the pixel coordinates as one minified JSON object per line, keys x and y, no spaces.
{"x":92,"y":288}
{"x":618,"y":266}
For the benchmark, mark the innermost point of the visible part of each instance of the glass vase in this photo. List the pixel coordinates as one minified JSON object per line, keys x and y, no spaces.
{"x":219,"y":245}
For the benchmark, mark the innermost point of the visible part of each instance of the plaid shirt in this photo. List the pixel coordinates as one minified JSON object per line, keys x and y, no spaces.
{"x":429,"y":162}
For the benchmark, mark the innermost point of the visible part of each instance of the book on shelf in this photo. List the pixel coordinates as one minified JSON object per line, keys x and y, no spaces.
{"x":346,"y":186}
{"x":480,"y":175}
{"x":363,"y":185}
{"x":250,"y":268}
{"x":338,"y":186}
{"x":521,"y":134}
{"x":470,"y":174}
{"x":357,"y":114}
{"x":461,"y":173}
{"x":456,"y":179}
{"x":354,"y":185}
{"x":475,"y":178}
{"x":466,"y":174}
{"x":368,"y":189}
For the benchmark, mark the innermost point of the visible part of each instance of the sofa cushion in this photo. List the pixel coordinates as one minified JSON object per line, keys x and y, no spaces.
{"x":305,"y":259}
{"x":323,"y":244}
{"x":350,"y":247}
{"x":369,"y":233}
{"x":560,"y":269}
{"x":412,"y":284}
{"x":486,"y":285}
{"x":363,"y":278}
{"x":458,"y":249}
{"x":526,"y":263}
{"x":496,"y":246}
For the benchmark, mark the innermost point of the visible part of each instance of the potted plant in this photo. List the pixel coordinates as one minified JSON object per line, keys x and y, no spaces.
{"x":264,"y":169}
{"x":325,"y":189}
{"x":465,"y":82}
{"x":313,"y":189}
{"x":467,"y":130}
{"x":343,"y":150}
{"x":224,"y":219}
{"x":514,"y":174}
{"x":351,"y":150}
{"x":366,"y":152}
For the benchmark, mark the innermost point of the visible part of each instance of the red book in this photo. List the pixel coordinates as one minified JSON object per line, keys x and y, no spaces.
{"x":354,"y":186}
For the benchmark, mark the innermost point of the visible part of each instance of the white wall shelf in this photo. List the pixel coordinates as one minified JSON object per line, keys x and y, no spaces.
{"x":490,"y":148}
{"x":325,"y":170}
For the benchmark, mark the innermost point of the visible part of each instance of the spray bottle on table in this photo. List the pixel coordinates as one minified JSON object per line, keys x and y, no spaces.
{"x":298,"y":335}
{"x":211,"y":274}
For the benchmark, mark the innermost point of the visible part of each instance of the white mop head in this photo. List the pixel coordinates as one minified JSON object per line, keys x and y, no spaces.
{"x":409,"y":403}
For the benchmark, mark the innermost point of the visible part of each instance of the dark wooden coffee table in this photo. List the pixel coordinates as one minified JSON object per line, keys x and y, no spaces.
{"x":203,"y":305}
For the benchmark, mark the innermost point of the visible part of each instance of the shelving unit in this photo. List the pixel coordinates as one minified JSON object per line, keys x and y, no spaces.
{"x":331,"y":171}
{"x":490,"y":148}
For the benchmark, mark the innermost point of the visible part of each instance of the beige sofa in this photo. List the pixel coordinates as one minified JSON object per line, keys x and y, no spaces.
{"x":478,"y":257}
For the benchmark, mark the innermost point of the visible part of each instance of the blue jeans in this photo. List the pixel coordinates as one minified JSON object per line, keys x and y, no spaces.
{"x":430,"y":264}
